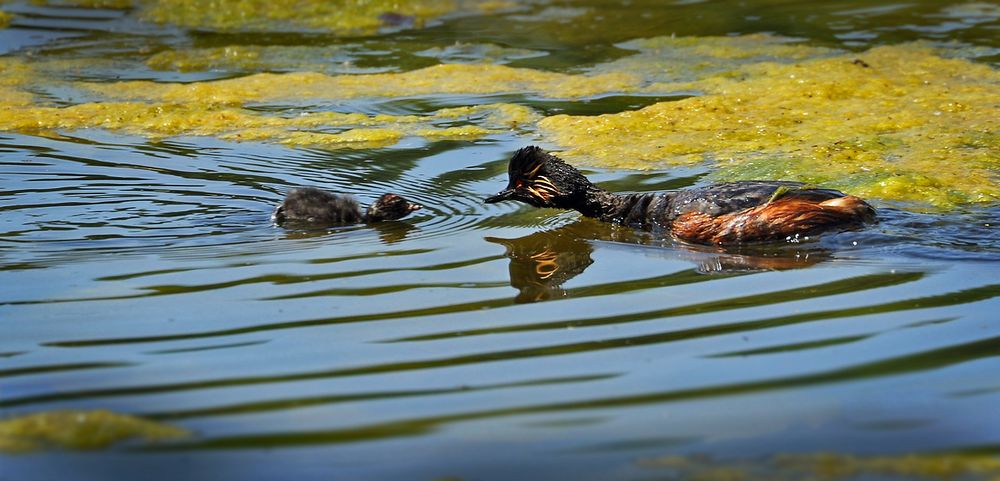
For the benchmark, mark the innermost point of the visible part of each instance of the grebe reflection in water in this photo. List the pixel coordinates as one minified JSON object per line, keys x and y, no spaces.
{"x":541,"y":262}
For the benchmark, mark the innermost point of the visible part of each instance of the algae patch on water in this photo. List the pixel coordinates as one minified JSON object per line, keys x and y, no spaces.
{"x":205,"y":114}
{"x":337,"y":16}
{"x":328,"y":129}
{"x":830,"y":467}
{"x":340,"y":17}
{"x":80,"y":430}
{"x":907,"y":123}
{"x":326,"y":59}
{"x":661,"y":60}
{"x":208,"y":118}
{"x":444,"y":79}
{"x":256,"y":58}
{"x":112,"y":4}
{"x":895,"y":123}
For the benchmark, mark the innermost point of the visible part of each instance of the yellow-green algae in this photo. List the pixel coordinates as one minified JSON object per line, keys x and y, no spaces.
{"x":15,"y":76}
{"x":323,"y":59}
{"x":116,"y":4}
{"x":5,"y":19}
{"x":459,"y":79}
{"x":245,"y":57}
{"x":80,"y":430}
{"x":336,"y":16}
{"x":676,"y":59}
{"x":341,"y":17}
{"x":895,"y":122}
{"x":250,"y":58}
{"x":830,"y":467}
{"x":209,"y":118}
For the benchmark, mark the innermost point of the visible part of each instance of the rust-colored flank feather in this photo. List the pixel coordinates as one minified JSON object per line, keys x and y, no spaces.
{"x":782,"y":219}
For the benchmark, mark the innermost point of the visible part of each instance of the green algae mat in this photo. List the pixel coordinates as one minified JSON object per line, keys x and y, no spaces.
{"x":911,"y":123}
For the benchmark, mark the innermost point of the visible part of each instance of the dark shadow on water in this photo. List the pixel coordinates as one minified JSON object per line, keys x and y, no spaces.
{"x":389,"y":232}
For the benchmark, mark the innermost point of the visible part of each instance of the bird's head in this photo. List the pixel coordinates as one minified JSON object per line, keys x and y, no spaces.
{"x":390,"y":207}
{"x":540,"y":179}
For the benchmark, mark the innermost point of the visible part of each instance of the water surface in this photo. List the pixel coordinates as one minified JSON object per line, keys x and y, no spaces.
{"x":472,"y":341}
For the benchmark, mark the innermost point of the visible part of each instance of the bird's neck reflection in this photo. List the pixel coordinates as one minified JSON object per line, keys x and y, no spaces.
{"x":541,"y":262}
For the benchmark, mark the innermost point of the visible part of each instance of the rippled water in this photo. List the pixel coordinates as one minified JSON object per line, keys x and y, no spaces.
{"x":470,"y":340}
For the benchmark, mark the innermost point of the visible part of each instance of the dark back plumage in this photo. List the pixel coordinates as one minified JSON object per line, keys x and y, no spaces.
{"x":315,"y":206}
{"x":729,"y":197}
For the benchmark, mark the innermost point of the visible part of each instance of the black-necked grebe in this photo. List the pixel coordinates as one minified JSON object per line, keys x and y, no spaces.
{"x":724,"y":213}
{"x":315,"y":206}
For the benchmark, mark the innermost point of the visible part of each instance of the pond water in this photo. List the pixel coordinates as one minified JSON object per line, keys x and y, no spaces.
{"x":142,"y":275}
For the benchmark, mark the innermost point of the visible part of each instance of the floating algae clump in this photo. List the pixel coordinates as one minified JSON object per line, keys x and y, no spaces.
{"x":357,"y":138}
{"x":209,"y":111}
{"x":79,"y":430}
{"x":14,"y":77}
{"x":251,"y":58}
{"x":831,"y":467}
{"x":5,"y":19}
{"x":232,"y":57}
{"x":342,"y":17}
{"x":895,"y":123}
{"x":677,"y":59}
{"x":336,"y":16}
{"x":118,"y":4}
{"x":435,"y":80}
{"x":328,"y":129}
{"x":329,"y":59}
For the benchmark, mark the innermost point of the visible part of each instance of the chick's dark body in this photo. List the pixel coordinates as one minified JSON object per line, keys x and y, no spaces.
{"x":317,"y":207}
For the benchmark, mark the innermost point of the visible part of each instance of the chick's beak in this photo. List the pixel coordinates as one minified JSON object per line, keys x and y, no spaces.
{"x":413,"y":207}
{"x":501,"y":196}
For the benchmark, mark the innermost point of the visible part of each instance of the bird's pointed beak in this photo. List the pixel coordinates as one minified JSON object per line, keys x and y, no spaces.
{"x":413,"y":207}
{"x":501,"y":196}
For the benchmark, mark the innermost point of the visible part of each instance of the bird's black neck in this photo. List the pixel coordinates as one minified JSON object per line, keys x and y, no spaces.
{"x":641,"y":210}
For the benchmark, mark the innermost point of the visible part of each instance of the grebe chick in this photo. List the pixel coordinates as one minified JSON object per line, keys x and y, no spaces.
{"x":315,"y":206}
{"x":724,"y":213}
